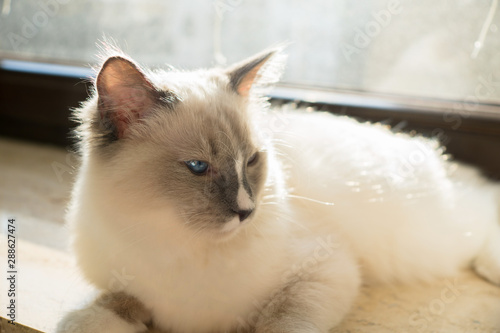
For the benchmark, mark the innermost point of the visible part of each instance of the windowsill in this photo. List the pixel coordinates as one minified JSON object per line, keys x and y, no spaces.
{"x":379,"y":101}
{"x":5,"y":326}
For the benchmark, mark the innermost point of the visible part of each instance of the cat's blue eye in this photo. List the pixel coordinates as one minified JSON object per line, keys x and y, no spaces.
{"x":197,"y":167}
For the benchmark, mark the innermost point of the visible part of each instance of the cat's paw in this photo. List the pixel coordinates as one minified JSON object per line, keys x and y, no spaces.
{"x":97,"y":319}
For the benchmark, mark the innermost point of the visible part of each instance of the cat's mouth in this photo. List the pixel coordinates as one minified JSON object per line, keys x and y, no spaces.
{"x":237,"y":221}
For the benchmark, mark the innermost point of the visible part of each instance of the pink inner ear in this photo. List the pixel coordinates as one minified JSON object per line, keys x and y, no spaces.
{"x":246,"y":83}
{"x":129,"y":104}
{"x":125,"y":93}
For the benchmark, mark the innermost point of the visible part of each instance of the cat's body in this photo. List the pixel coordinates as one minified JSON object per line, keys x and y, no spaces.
{"x":273,"y":241}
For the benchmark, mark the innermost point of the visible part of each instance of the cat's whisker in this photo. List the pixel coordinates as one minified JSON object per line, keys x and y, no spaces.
{"x":130,"y":244}
{"x":130,"y":228}
{"x":280,"y":154}
{"x":197,"y":234}
{"x":279,"y":142}
{"x":272,"y":196}
{"x":298,"y":197}
{"x":256,"y":228}
{"x":310,"y":199}
{"x":188,"y":220}
{"x":270,"y":203}
{"x":301,"y":225}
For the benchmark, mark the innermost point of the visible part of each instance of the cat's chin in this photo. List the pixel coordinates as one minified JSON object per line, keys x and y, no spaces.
{"x":231,"y":228}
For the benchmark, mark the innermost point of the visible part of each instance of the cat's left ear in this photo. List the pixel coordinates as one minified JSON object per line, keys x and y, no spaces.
{"x":262,"y":69}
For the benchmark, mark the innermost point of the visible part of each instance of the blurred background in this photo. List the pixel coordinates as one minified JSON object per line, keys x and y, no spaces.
{"x":445,"y":49}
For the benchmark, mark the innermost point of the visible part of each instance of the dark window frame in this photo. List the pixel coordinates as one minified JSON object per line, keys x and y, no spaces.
{"x":36,"y":99}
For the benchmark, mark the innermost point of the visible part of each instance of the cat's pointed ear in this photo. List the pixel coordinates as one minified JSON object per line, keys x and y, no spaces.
{"x":262,"y":69}
{"x":124,"y":94}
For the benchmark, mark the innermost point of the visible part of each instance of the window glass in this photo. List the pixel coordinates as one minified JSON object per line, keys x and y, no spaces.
{"x":446,"y":49}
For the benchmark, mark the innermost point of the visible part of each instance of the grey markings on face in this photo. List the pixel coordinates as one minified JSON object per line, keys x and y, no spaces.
{"x":234,"y":187}
{"x":232,"y":190}
{"x":227,"y":187}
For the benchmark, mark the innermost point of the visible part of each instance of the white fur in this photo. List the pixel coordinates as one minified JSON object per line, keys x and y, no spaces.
{"x":407,"y":212}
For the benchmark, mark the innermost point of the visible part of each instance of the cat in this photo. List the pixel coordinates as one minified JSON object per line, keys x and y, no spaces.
{"x":197,"y":208}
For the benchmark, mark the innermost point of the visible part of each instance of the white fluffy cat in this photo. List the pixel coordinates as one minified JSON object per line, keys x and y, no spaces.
{"x":197,"y":209}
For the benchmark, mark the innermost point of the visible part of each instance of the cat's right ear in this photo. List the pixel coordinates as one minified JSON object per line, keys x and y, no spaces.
{"x":125,"y":95}
{"x":260,"y":70}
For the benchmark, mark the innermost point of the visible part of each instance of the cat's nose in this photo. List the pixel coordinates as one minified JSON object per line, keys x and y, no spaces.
{"x":243,"y":214}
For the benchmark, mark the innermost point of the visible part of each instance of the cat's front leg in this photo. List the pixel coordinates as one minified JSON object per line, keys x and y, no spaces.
{"x":315,"y":300}
{"x":110,"y":313}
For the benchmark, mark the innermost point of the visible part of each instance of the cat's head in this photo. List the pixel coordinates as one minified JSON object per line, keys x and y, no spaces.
{"x":183,"y":139}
